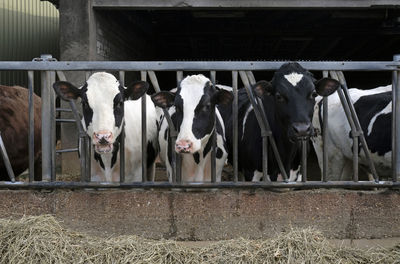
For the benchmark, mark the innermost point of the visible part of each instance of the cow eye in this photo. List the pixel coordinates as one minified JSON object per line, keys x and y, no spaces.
{"x":206,"y":108}
{"x":279,"y":97}
{"x":313,"y":95}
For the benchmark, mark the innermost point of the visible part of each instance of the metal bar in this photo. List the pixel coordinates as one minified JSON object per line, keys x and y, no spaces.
{"x":355,"y":159}
{"x":235,"y":125}
{"x":396,"y":122}
{"x":63,"y":110}
{"x":144,"y":132}
{"x":263,"y":121}
{"x":358,"y":127}
{"x":6,"y":160}
{"x":197,"y":65}
{"x":213,"y":137}
{"x":122,"y":138}
{"x":88,"y":153}
{"x":65,"y":120}
{"x":222,"y":185}
{"x":87,"y":74}
{"x":154,"y":81}
{"x":266,"y":178}
{"x":66,"y":150}
{"x":304,"y":143}
{"x":46,"y":127}
{"x":31,"y":142}
{"x":178,"y":161}
{"x":325,"y":154}
{"x":52,"y":79}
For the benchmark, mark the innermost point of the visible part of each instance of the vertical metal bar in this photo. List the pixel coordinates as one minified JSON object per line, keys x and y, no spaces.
{"x":355,"y":159}
{"x":325,"y":156}
{"x":88,"y":161}
{"x":144,"y":131}
{"x":122,"y":138}
{"x":46,"y":127}
{"x":52,"y":79}
{"x":178,"y":168}
{"x":6,"y":160}
{"x":172,"y":135}
{"x":396,"y":122}
{"x":31,"y":142}
{"x":266,"y":178}
{"x":360,"y":133}
{"x":235,"y":124}
{"x":304,"y":143}
{"x":87,"y":74}
{"x":213,"y":138}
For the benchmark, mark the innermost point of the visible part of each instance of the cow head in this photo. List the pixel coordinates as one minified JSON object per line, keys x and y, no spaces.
{"x":194,"y":117}
{"x":102,"y":99}
{"x":292,"y":91}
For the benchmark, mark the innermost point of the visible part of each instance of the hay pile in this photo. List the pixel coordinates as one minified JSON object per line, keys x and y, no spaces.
{"x":42,"y":239}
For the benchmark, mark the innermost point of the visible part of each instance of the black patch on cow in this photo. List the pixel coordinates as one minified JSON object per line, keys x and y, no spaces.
{"x":379,"y":141}
{"x":207,"y":148}
{"x":165,"y":134}
{"x":196,"y":157}
{"x":219,"y":153}
{"x":204,"y":116}
{"x":118,"y":109}
{"x":115,"y":151}
{"x":97,"y":157}
{"x":86,"y":109}
{"x":151,"y":153}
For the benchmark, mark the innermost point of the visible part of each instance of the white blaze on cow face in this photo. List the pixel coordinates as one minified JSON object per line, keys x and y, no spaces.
{"x":102,"y":88}
{"x":294,"y":78}
{"x":191,"y":92}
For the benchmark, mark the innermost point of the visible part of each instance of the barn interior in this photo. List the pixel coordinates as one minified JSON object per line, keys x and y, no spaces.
{"x":249,"y":34}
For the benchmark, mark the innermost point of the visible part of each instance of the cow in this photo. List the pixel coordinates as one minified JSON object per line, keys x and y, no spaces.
{"x":374,"y":111}
{"x":14,"y":128}
{"x":194,"y":110}
{"x":106,"y":106}
{"x":288,"y":103}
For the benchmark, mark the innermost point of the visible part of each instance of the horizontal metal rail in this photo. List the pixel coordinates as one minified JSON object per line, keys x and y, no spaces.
{"x":196,"y":65}
{"x":209,"y":185}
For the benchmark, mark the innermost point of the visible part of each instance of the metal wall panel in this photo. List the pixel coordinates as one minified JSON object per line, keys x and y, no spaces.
{"x":28,"y":28}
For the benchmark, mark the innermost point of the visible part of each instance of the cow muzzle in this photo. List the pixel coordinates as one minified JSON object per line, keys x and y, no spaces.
{"x":302,"y":129}
{"x":103,"y":142}
{"x":184,"y":146}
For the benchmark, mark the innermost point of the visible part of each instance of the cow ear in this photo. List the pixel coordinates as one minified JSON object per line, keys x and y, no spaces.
{"x":163,"y":99}
{"x":136,"y":90}
{"x":66,"y":90}
{"x":222,"y":97}
{"x":326,"y":86}
{"x":262,"y":87}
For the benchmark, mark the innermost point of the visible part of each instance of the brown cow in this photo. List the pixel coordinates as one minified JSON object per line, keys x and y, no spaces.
{"x":14,"y":127}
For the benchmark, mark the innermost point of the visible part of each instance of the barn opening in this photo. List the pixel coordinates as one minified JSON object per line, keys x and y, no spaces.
{"x":248,"y":34}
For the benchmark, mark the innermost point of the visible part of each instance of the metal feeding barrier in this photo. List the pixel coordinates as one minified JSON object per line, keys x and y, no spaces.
{"x":49,"y":69}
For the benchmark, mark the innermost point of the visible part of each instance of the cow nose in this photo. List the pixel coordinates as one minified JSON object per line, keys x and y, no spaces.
{"x":102,"y":137}
{"x":183,"y":146}
{"x":302,"y":129}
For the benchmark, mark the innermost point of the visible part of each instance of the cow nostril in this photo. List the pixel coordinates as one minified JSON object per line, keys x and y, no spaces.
{"x":301,"y":128}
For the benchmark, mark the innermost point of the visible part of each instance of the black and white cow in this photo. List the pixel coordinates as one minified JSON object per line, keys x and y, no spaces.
{"x":193,"y":109}
{"x":374,"y":110}
{"x":105,"y":108}
{"x":289,"y":102}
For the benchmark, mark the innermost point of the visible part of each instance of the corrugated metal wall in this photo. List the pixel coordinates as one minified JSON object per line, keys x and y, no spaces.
{"x":28,"y":28}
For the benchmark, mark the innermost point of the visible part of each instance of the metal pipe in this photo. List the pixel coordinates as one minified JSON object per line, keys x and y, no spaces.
{"x":221,"y":185}
{"x":31,"y":142}
{"x":358,"y":127}
{"x":235,"y":124}
{"x":396,"y":122}
{"x":67,"y":150}
{"x":304,"y":143}
{"x":325,"y":154}
{"x":144,"y":131}
{"x":154,"y":81}
{"x":263,"y":121}
{"x":46,"y":127}
{"x":213,"y":137}
{"x":6,"y":160}
{"x":52,"y":79}
{"x":179,"y":77}
{"x":196,"y":65}
{"x":88,"y":152}
{"x":122,"y":138}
